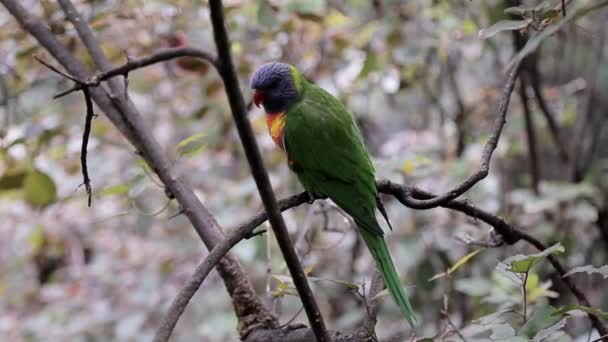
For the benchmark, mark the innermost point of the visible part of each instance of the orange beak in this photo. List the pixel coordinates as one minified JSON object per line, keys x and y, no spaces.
{"x":258,"y":98}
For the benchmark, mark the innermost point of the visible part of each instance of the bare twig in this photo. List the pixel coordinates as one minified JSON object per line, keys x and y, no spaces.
{"x":160,"y":55}
{"x":86,"y":181}
{"x":237,"y":105}
{"x":86,"y":132}
{"x":368,"y":327}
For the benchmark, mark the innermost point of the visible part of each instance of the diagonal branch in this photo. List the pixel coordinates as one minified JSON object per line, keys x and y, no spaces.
{"x":239,"y":113}
{"x":488,"y":150}
{"x":200,"y":273}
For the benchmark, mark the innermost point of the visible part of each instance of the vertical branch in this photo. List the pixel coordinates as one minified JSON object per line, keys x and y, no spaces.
{"x":584,"y":144}
{"x":249,"y":309}
{"x":530,"y":135}
{"x":85,"y":141}
{"x":239,"y":112}
{"x":535,"y":83}
{"x":460,"y":117}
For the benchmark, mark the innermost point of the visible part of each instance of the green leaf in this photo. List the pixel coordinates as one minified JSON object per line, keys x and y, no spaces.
{"x":524,"y":263}
{"x":314,"y":7}
{"x":516,"y":10}
{"x":501,"y":331}
{"x":36,"y":238}
{"x":589,"y":269}
{"x":462,"y":261}
{"x":192,"y":145}
{"x":118,"y":189}
{"x":543,"y":317}
{"x":503,"y":25}
{"x":40,"y":190}
{"x":587,"y":309}
{"x":12,"y":179}
{"x":267,"y":17}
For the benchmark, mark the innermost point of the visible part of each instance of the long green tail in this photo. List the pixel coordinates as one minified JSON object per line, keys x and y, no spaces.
{"x":377,"y":246}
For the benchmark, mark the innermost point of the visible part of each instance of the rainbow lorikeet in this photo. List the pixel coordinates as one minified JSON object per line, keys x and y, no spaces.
{"x":326,"y":151}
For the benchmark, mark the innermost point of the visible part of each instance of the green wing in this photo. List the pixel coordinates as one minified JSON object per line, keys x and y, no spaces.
{"x":327,"y":153}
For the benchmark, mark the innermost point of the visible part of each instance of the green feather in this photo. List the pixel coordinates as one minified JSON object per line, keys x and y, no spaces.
{"x":380,"y":252}
{"x":326,"y":150}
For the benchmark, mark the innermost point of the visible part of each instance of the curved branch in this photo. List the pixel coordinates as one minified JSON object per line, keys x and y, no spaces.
{"x":484,"y":167}
{"x":405,"y":195}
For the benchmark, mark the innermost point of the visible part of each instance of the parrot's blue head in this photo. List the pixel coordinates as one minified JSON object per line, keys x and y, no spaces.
{"x":274,"y":86}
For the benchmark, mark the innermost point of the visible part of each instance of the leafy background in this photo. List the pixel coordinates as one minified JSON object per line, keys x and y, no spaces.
{"x":422,"y":82}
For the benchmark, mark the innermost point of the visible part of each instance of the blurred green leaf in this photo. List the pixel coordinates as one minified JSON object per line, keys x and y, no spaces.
{"x":589,"y":269}
{"x":36,"y":238}
{"x":457,"y":265}
{"x":501,"y":331}
{"x":524,"y":263}
{"x":516,"y":10}
{"x":543,"y":317}
{"x":118,"y":189}
{"x":192,"y":145}
{"x":587,"y":309}
{"x":315,"y":7}
{"x":40,"y":190}
{"x":12,"y":179}
{"x":503,"y":25}
{"x":266,"y":14}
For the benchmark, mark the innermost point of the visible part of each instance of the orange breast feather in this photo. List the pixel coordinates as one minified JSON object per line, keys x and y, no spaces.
{"x":276,"y":127}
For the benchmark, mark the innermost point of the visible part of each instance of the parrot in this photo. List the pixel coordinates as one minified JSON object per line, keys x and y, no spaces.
{"x":325,"y":149}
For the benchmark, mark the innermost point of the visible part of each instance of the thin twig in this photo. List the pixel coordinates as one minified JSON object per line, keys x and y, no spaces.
{"x":525,"y":296}
{"x":158,"y":56}
{"x":85,"y":141}
{"x":239,"y":113}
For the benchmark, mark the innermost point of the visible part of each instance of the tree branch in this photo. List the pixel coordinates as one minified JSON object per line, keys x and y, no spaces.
{"x":403,"y":194}
{"x":239,"y":112}
{"x":484,"y":167}
{"x":161,"y":55}
{"x":530,"y":134}
{"x":121,"y":112}
{"x":535,"y":83}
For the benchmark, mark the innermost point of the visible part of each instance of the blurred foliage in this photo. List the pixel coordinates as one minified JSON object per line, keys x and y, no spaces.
{"x":68,"y":272}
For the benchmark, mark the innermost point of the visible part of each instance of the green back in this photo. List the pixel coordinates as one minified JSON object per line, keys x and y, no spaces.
{"x":328,"y":154}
